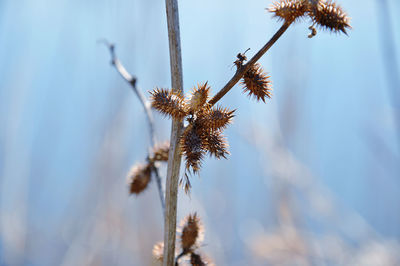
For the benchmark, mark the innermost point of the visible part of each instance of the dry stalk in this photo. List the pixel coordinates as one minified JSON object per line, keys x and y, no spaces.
{"x":174,"y":158}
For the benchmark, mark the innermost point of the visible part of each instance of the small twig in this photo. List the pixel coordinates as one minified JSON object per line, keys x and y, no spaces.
{"x":174,"y":157}
{"x":242,"y":70}
{"x":146,"y":105}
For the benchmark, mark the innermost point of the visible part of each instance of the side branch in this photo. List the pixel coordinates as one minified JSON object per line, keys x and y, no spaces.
{"x":146,"y":105}
{"x":241,"y":71}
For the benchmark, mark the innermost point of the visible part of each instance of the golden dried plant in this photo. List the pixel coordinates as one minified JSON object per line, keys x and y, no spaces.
{"x":205,"y":123}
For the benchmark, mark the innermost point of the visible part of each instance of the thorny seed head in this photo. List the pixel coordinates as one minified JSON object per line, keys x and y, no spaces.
{"x":139,"y":178}
{"x":169,"y":103}
{"x":199,"y":260}
{"x":329,"y":15}
{"x":257,"y":83}
{"x":289,"y":10}
{"x":201,"y":133}
{"x":217,"y":118}
{"x":192,"y":233}
{"x":160,"y":153}
{"x":217,"y":144}
{"x":192,"y":147}
{"x":198,"y":98}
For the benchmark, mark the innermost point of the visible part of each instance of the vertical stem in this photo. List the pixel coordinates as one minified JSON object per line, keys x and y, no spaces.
{"x":174,"y":158}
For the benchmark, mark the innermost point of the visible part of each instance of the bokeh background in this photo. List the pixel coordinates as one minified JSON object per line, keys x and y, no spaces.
{"x":314,"y":174}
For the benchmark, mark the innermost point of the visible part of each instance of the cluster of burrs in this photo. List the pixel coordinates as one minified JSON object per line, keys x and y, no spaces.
{"x":325,"y":14}
{"x":205,"y":123}
{"x":191,"y":235}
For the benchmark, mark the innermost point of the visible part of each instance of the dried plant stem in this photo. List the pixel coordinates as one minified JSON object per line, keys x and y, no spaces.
{"x":146,"y":105}
{"x":242,"y":70}
{"x":174,"y":157}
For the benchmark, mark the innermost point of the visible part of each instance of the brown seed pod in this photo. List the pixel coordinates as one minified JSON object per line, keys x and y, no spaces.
{"x":199,"y":97}
{"x":139,"y":177}
{"x":257,"y":83}
{"x":200,"y":260}
{"x":192,"y":233}
{"x":196,"y":260}
{"x":160,"y":153}
{"x":289,"y":10}
{"x":192,"y":147}
{"x":217,"y":144}
{"x":329,"y":15}
{"x":216,"y":118}
{"x":168,"y":103}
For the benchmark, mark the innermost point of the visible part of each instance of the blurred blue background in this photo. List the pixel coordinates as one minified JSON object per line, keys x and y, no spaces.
{"x":313,"y":175}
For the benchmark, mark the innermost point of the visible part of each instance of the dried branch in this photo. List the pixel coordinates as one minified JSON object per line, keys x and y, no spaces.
{"x":146,"y":105}
{"x":243,"y":69}
{"x":174,"y":158}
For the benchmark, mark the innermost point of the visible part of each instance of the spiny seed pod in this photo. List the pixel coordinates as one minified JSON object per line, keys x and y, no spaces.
{"x":200,"y":260}
{"x":217,"y":145}
{"x":139,"y":177}
{"x":160,"y":153}
{"x":168,"y":102}
{"x":158,"y":251}
{"x":289,"y":10}
{"x":330,"y":16}
{"x":217,"y":118}
{"x":256,"y":82}
{"x":195,"y":260}
{"x":192,"y":232}
{"x":199,"y":98}
{"x":192,"y":147}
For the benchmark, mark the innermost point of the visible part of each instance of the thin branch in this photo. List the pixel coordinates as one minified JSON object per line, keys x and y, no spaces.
{"x":146,"y":105}
{"x":174,"y":158}
{"x":242,"y":70}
